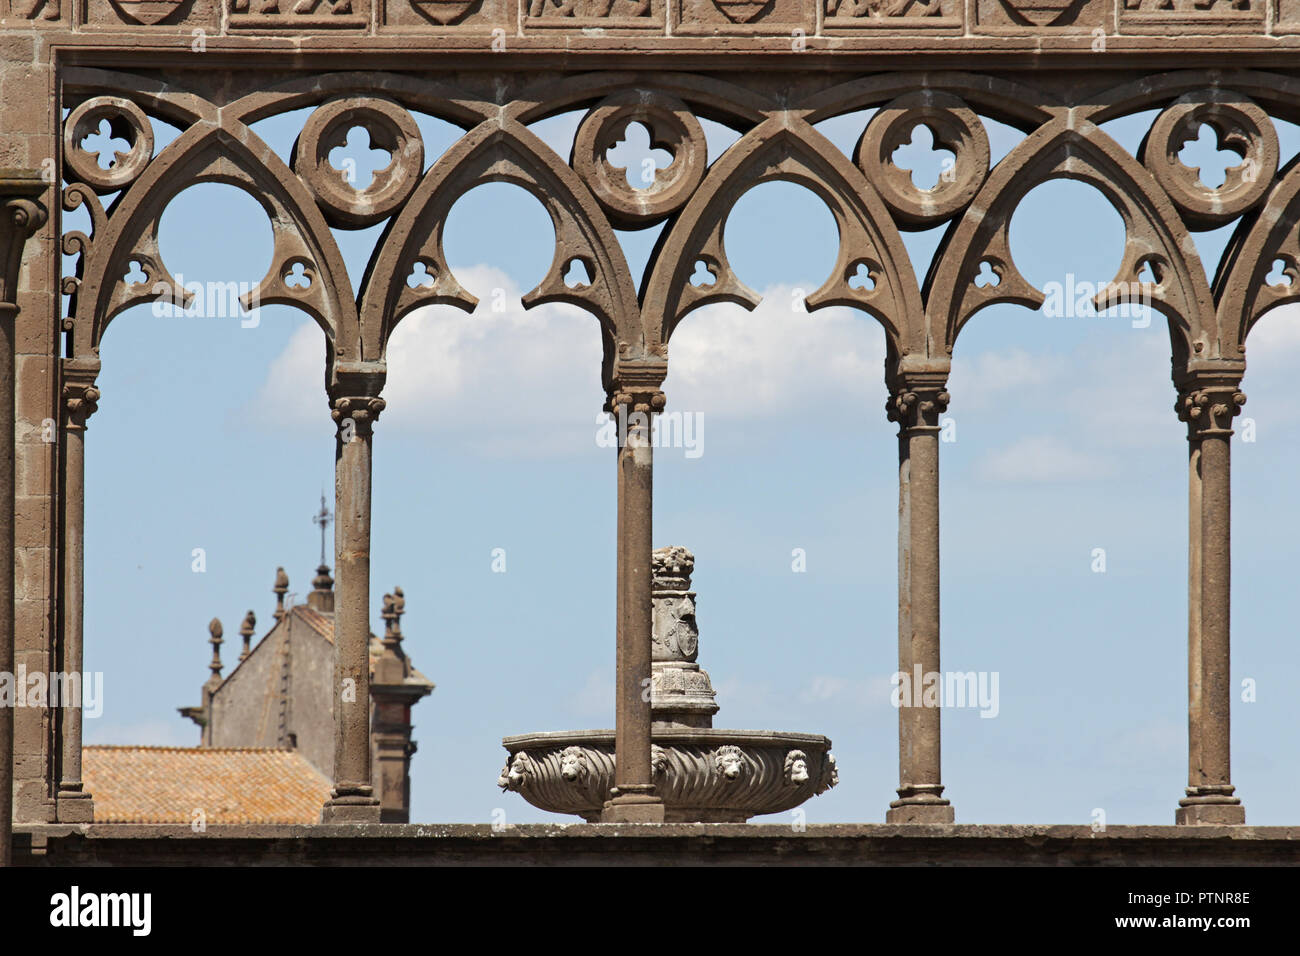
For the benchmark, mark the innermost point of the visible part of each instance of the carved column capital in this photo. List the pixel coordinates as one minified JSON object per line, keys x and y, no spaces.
{"x":362,"y":410}
{"x":21,"y":215}
{"x":354,"y":394}
{"x":1208,"y":407}
{"x":918,"y":404}
{"x":630,"y":400}
{"x":635,"y":388}
{"x":80,"y":401}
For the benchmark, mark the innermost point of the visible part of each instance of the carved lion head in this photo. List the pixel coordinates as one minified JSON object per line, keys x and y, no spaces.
{"x":573,"y":764}
{"x":517,"y":769}
{"x":796,"y":768}
{"x":729,"y":761}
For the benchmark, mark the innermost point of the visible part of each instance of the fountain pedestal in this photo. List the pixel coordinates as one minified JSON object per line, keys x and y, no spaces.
{"x":702,"y":774}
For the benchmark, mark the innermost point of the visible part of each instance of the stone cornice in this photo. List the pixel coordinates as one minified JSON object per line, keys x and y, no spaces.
{"x":1091,"y":33}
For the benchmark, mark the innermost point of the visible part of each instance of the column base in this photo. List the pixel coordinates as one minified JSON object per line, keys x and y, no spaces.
{"x":351,"y":805}
{"x":920,"y":813}
{"x":1210,"y":806}
{"x":74,"y":806}
{"x":920,"y":803}
{"x":633,"y":804}
{"x":1210,"y":814}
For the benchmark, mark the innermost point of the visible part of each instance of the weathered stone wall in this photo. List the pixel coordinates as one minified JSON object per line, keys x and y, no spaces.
{"x":611,"y":24}
{"x":311,"y":695}
{"x":666,"y":844}
{"x":246,"y":710}
{"x":28,"y":124}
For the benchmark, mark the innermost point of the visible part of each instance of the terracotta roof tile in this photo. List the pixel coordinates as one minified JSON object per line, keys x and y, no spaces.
{"x":322,"y":624}
{"x":229,"y":784}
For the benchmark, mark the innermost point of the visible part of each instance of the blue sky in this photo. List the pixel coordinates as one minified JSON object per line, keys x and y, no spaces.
{"x":217,"y":436}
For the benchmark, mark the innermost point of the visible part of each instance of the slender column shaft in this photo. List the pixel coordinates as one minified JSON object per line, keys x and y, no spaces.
{"x":633,"y":798}
{"x":8,"y":313}
{"x":353,"y":799}
{"x":20,"y":217}
{"x":1209,"y":800}
{"x":917,"y":408}
{"x":73,"y":804}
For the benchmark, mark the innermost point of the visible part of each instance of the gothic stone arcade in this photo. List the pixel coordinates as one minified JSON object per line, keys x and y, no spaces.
{"x":769,"y":69}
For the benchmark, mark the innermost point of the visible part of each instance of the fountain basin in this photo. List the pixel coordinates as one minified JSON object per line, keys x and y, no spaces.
{"x":702,"y":774}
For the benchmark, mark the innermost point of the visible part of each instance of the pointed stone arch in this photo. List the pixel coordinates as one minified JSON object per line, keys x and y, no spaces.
{"x":1006,"y":101}
{"x":501,"y":151}
{"x":1154,"y":236}
{"x":788,"y":149}
{"x":1241,"y":285}
{"x":444,"y":100}
{"x":230,"y":154}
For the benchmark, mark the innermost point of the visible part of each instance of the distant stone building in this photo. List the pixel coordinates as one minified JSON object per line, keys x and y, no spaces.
{"x":269,"y":726}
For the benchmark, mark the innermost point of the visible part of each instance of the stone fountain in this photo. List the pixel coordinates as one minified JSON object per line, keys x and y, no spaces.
{"x":703,"y":774}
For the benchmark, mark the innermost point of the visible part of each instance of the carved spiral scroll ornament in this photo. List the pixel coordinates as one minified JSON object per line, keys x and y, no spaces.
{"x":1241,"y":127}
{"x":955,"y":128}
{"x":125,"y":121}
{"x":671,"y":126}
{"x":391,"y":128}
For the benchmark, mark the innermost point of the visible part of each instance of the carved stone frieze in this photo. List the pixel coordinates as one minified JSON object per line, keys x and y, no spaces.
{"x":745,"y":16}
{"x":714,"y":777}
{"x":147,"y":12}
{"x":299,"y":14}
{"x":594,"y":14}
{"x":847,"y":16}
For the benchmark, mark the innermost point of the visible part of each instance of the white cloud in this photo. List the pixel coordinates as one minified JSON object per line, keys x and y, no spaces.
{"x":777,"y":360}
{"x":984,"y":378}
{"x":595,"y":699}
{"x":872,"y":693}
{"x":1276,"y":337}
{"x":527,"y":383}
{"x":1042,"y":458}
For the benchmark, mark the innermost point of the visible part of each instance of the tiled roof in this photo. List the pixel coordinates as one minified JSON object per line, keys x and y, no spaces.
{"x":229,"y":784}
{"x":322,"y":624}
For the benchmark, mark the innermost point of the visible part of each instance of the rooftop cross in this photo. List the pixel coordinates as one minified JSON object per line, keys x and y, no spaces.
{"x":322,"y":518}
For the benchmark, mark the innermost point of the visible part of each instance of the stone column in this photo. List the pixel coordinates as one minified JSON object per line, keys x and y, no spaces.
{"x":20,"y":217}
{"x":80,"y":398}
{"x":918,"y":401}
{"x":356,"y":406}
{"x":633,"y":798}
{"x":1208,"y":403}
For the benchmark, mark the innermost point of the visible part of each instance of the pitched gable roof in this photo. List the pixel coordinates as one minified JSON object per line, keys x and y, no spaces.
{"x":228,"y":784}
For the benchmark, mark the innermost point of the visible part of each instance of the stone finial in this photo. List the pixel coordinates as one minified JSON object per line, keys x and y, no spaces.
{"x":281,"y":589}
{"x":394,"y":608}
{"x":672,"y":568}
{"x":321,"y":597}
{"x":246,"y":631}
{"x":392,"y":667}
{"x":215,"y":630}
